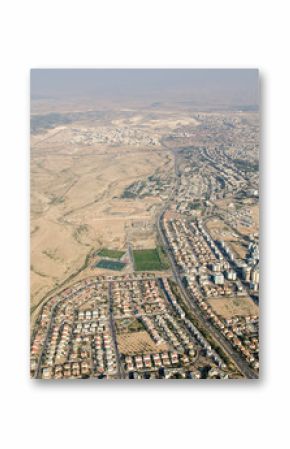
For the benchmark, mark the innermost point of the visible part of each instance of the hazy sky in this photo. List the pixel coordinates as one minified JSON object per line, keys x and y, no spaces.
{"x":208,"y":86}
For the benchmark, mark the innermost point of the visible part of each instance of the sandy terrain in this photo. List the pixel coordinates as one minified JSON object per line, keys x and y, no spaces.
{"x":239,"y":250}
{"x":229,"y":307}
{"x":75,"y":201}
{"x":138,"y":342}
{"x":220,"y":230}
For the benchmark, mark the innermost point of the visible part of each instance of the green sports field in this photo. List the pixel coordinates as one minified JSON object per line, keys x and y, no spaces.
{"x":111,"y":253}
{"x":150,"y":260}
{"x":110,"y":265}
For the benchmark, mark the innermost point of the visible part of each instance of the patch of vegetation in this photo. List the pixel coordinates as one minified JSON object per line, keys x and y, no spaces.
{"x":82,"y":228}
{"x":47,"y":121}
{"x":51,"y":254}
{"x":128,"y":194}
{"x":150,"y":259}
{"x":111,"y":253}
{"x":57,"y":200}
{"x":37,"y":272}
{"x":163,"y":258}
{"x":80,"y":232}
{"x":221,"y":181}
{"x":110,"y":265}
{"x":194,"y":205}
{"x":133,"y":190}
{"x":136,"y":326}
{"x":39,"y":123}
{"x":246,"y":166}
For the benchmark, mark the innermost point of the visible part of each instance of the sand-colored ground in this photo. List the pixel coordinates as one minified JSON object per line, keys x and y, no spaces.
{"x":229,"y":307}
{"x":76,"y":204}
{"x":219,"y":230}
{"x":239,"y":249}
{"x":163,"y":121}
{"x":138,"y":342}
{"x":254,"y":228}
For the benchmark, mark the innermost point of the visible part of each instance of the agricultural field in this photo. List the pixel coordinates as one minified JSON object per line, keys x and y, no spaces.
{"x":111,"y":253}
{"x":150,"y":260}
{"x":110,"y":265}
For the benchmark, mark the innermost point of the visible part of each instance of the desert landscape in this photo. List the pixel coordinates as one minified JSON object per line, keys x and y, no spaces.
{"x":79,"y":172}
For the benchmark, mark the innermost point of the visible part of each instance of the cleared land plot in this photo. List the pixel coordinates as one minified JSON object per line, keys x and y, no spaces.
{"x":239,"y":249}
{"x":138,"y":342}
{"x":127,"y":326}
{"x":229,"y":307}
{"x":150,"y":260}
{"x":219,"y":230}
{"x":111,"y":253}
{"x":110,"y":265}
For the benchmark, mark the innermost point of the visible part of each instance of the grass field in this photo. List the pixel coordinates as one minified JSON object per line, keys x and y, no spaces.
{"x":150,"y":260}
{"x":129,"y":325}
{"x":111,"y":253}
{"x":110,"y":265}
